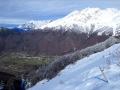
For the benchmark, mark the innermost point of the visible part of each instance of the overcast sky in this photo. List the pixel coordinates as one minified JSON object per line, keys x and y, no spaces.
{"x":19,"y":11}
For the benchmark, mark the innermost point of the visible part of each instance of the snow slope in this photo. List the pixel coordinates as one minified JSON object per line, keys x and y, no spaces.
{"x":86,"y":75}
{"x":89,"y":20}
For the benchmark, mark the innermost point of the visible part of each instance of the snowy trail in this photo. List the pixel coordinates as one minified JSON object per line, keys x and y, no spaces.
{"x":85,"y":74}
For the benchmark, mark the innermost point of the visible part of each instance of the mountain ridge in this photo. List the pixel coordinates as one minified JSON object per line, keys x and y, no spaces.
{"x":89,"y":20}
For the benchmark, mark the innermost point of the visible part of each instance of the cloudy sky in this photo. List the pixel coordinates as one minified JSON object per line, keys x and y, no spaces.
{"x":19,"y":11}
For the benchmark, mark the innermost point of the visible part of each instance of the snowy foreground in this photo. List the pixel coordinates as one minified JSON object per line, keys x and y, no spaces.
{"x":86,"y":75}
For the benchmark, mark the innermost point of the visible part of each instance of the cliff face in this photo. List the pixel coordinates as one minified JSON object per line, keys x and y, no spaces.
{"x":46,"y":42}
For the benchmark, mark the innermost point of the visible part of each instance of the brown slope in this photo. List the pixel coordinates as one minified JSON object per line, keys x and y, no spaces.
{"x":48,"y":42}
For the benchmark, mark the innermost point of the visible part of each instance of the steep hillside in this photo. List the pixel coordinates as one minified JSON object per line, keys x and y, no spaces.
{"x":76,"y":31}
{"x":99,"y":71}
{"x":61,"y":62}
{"x":67,"y":59}
{"x":46,"y":42}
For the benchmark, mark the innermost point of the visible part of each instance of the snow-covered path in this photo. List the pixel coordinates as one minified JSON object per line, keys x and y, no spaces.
{"x":86,"y":75}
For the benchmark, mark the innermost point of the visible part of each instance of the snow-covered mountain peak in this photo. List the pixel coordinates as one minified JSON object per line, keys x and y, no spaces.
{"x":34,"y":24}
{"x":88,"y":19}
{"x":86,"y":11}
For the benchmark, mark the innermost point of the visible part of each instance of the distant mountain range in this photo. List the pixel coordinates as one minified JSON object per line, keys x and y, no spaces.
{"x":89,"y":20}
{"x":68,"y":39}
{"x":34,"y":24}
{"x":78,"y":30}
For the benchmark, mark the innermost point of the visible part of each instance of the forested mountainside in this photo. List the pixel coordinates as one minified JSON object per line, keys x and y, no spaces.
{"x":46,"y":42}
